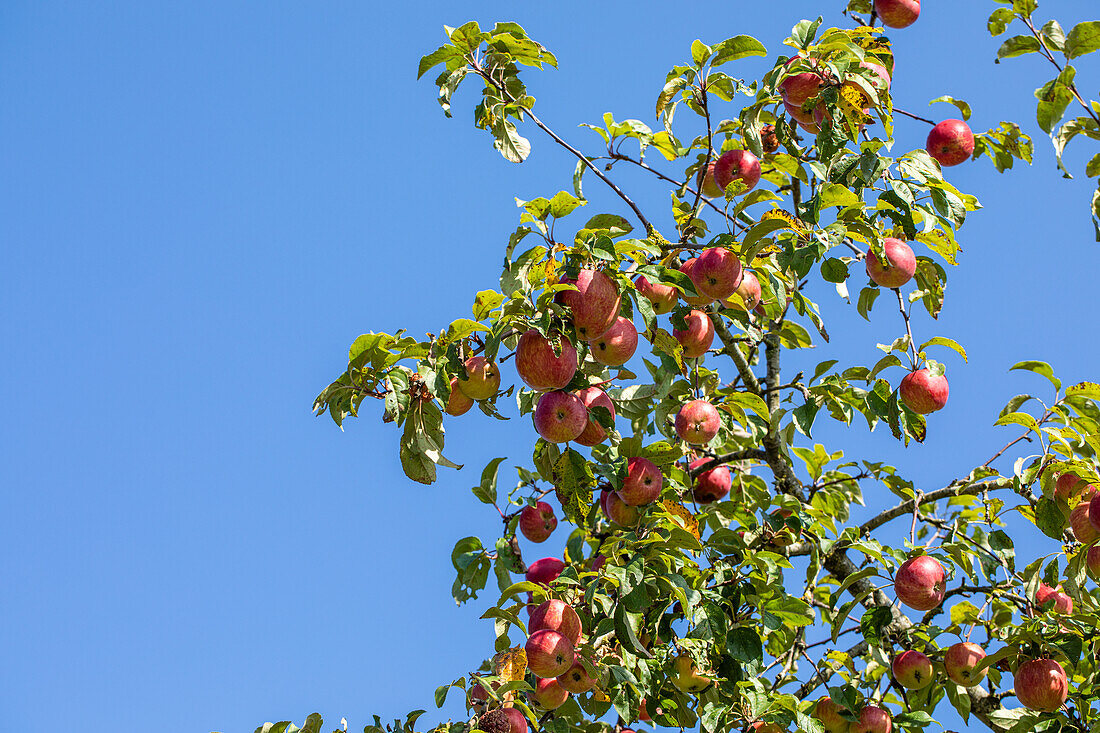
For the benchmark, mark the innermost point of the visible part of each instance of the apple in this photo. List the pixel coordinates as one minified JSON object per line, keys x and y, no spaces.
{"x":698,"y":336}
{"x":663,"y":297}
{"x":719,"y":273}
{"x":544,"y":571}
{"x":549,"y":653}
{"x":828,"y":713}
{"x":478,"y":696}
{"x":897,"y":13}
{"x":1079,"y":520}
{"x":797,"y":89}
{"x":617,"y":510}
{"x":873,"y":719}
{"x":811,"y":127}
{"x":593,"y":432}
{"x":961,"y":662}
{"x":457,"y":403}
{"x":643,"y":482}
{"x":597,"y":562}
{"x":881,"y":82}
{"x":484,"y":378}
{"x":706,"y":183}
{"x":538,"y":364}
{"x":951,"y":142}
{"x":688,"y":268}
{"x":594,"y":304}
{"x":502,"y":720}
{"x":712,"y":485}
{"x":736,"y":165}
{"x":1067,"y":486}
{"x":617,"y":344}
{"x":560,"y":417}
{"x":558,"y":616}
{"x":686,"y":677}
{"x":1041,"y":685}
{"x":912,"y":669}
{"x":920,"y":583}
{"x":783,"y":536}
{"x":576,"y":678}
{"x":697,"y":422}
{"x":537,"y":522}
{"x":924,"y":392}
{"x":768,"y":139}
{"x":762,"y":727}
{"x":799,"y":115}
{"x":747,"y":296}
{"x":1092,"y":561}
{"x":643,"y":714}
{"x":900,"y":265}
{"x":1062,"y":602}
{"x":1094,"y":511}
{"x":548,"y":694}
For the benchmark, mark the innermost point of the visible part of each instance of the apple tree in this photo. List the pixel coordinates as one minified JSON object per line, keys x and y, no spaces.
{"x":712,"y":575}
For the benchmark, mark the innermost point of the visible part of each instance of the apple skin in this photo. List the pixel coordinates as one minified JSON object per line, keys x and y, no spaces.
{"x":920,"y":583}
{"x":544,"y":571}
{"x":873,"y":719}
{"x":560,"y":417}
{"x":712,"y":485}
{"x":593,"y":432}
{"x":576,"y":679}
{"x":1041,"y":685}
{"x":897,"y":13}
{"x":484,"y":378}
{"x":1067,"y":486}
{"x":617,"y":344}
{"x":882,"y":80}
{"x":799,"y":88}
{"x":643,"y":482}
{"x":688,"y":268}
{"x":698,"y":337}
{"x":951,"y":142}
{"x":1092,"y":562}
{"x":643,"y":714}
{"x":698,"y":422}
{"x":539,"y":367}
{"x":558,"y":616}
{"x":706,"y":184}
{"x":1094,"y":511}
{"x":923,"y":392}
{"x":537,"y":522}
{"x":902,"y":264}
{"x":762,"y":727}
{"x":548,"y":694}
{"x":748,"y":293}
{"x":663,"y":297}
{"x":686,"y":677}
{"x":799,"y":115}
{"x":1080,"y":521}
{"x":549,"y":653}
{"x":719,"y":272}
{"x":737,"y":165}
{"x":1062,"y":603}
{"x":828,"y":713}
{"x":595,"y":303}
{"x":912,"y":669}
{"x":457,"y":402}
{"x":617,"y":510}
{"x":502,"y":720}
{"x":959,"y":662}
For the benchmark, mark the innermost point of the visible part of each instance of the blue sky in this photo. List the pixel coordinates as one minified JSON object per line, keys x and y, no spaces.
{"x":202,"y":204}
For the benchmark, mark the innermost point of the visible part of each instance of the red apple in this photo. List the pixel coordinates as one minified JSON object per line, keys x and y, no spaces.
{"x":663,"y":297}
{"x":1079,"y":520}
{"x":712,"y":485}
{"x":688,"y":268}
{"x":706,"y":182}
{"x":924,"y":392}
{"x":597,"y":562}
{"x":1062,"y":602}
{"x":697,"y":422}
{"x":799,"y":115}
{"x":882,"y":80}
{"x":576,"y":678}
{"x":747,"y":296}
{"x":1094,"y":511}
{"x":544,"y":571}
{"x":594,"y":432}
{"x":502,"y":720}
{"x":1092,"y":562}
{"x":540,"y":367}
{"x":643,"y":714}
{"x":457,"y":403}
{"x":643,"y":482}
{"x":920,"y":583}
{"x":897,"y":13}
{"x":797,"y":89}
{"x":1041,"y":685}
{"x":828,"y":713}
{"x":698,"y":337}
{"x":762,"y":727}
{"x":560,"y":417}
{"x":484,"y":378}
{"x":595,"y":303}
{"x":557,"y":616}
{"x":719,"y":273}
{"x":912,"y":669}
{"x":873,"y":719}
{"x":617,"y":510}
{"x":548,"y":694}
{"x":617,"y":344}
{"x":961,"y":662}
{"x":736,"y":165}
{"x":537,"y":522}
{"x":951,"y":142}
{"x":900,"y":264}
{"x":549,"y":653}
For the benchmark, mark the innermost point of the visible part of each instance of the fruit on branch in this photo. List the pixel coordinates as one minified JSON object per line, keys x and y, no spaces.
{"x":805,"y":119}
{"x":828,"y":713}
{"x":538,"y":364}
{"x":697,"y":422}
{"x":921,"y":583}
{"x":1067,"y":486}
{"x":1082,"y":527}
{"x":643,"y":714}
{"x":594,"y":304}
{"x":882,"y":80}
{"x":537,"y":522}
{"x":557,"y":615}
{"x":762,"y":727}
{"x":1062,"y":602}
{"x":873,"y":719}
{"x":748,"y":294}
{"x":797,"y":89}
{"x":617,"y":510}
{"x":1094,"y":511}
{"x":768,"y":139}
{"x":897,"y":13}
{"x":688,"y":268}
{"x":1041,"y":685}
{"x":951,"y":142}
{"x":478,"y":696}
{"x":617,"y":344}
{"x":698,"y":336}
{"x":576,"y":678}
{"x":912,"y":669}
{"x":457,"y":403}
{"x":900,"y":265}
{"x":686,"y":677}
{"x":1092,"y":561}
{"x":483,"y":381}
{"x":663,"y":297}
{"x":705,"y":182}
{"x":785,"y":535}
{"x":643,"y":482}
{"x":924,"y":392}
{"x":719,"y":273}
{"x":560,"y":417}
{"x":961,"y":663}
{"x":548,"y":694}
{"x":593,"y":432}
{"x":711,"y":485}
{"x":502,"y":720}
{"x":737,"y":165}
{"x":549,"y":653}
{"x":544,"y":571}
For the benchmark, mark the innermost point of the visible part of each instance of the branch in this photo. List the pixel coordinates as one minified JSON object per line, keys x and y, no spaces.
{"x":734,"y":352}
{"x":915,"y":117}
{"x":740,"y":455}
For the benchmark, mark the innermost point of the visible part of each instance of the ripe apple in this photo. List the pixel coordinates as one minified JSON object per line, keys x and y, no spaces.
{"x":900,"y":265}
{"x":643,"y":714}
{"x":951,"y":142}
{"x":576,"y":678}
{"x":706,"y":182}
{"x":548,"y":694}
{"x":558,"y":616}
{"x":762,"y":727}
{"x":719,"y":273}
{"x":768,"y":139}
{"x":828,"y":713}
{"x":560,"y":417}
{"x":1092,"y":562}
{"x":799,"y":88}
{"x":663,"y":297}
{"x":1083,"y":530}
{"x":594,"y":432}
{"x":686,"y":677}
{"x":712,"y":485}
{"x":799,"y":115}
{"x":688,"y":268}
{"x":502,"y":720}
{"x":873,"y":719}
{"x":540,"y":367}
{"x":537,"y":522}
{"x":1068,"y":486}
{"x":920,"y":583}
{"x":597,"y":562}
{"x":1094,"y":511}
{"x":478,"y":696}
{"x":1041,"y":685}
{"x":484,"y":378}
{"x":961,"y":662}
{"x":1062,"y":602}
{"x":924,"y":392}
{"x":897,"y":13}
{"x":643,"y":482}
{"x":457,"y":403}
{"x":697,"y":422}
{"x":747,"y":296}
{"x":912,"y":669}
{"x":544,"y":571}
{"x":549,"y":653}
{"x":595,"y":303}
{"x":736,"y":165}
{"x":698,"y":337}
{"x":617,"y":510}
{"x":618,"y":344}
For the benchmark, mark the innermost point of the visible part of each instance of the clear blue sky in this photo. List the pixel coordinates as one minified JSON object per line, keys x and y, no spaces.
{"x":203,"y":203}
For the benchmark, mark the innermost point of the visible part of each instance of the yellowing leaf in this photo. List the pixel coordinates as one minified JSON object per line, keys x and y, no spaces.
{"x":511,"y":664}
{"x":683,"y":517}
{"x":791,"y":221}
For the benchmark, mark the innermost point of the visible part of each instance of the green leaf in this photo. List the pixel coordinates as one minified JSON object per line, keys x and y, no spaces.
{"x":437,"y":57}
{"x":738,"y":47}
{"x":563,"y":204}
{"x":1039,"y":367}
{"x":1049,"y":518}
{"x":514,"y":147}
{"x":1018,"y":46}
{"x":486,"y":491}
{"x":944,"y":341}
{"x":999,"y":21}
{"x":833,"y":270}
{"x":1083,"y":38}
{"x":744,"y":645}
{"x":964,"y":108}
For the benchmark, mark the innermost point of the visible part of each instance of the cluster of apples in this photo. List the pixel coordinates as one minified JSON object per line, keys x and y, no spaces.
{"x":872,"y":718}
